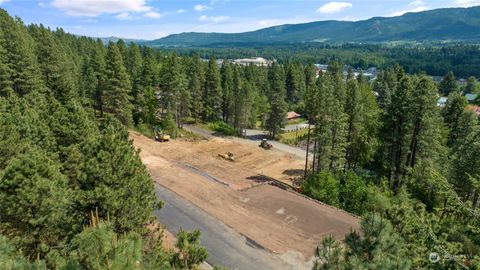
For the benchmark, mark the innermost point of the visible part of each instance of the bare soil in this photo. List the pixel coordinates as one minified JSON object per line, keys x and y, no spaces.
{"x":237,"y":194}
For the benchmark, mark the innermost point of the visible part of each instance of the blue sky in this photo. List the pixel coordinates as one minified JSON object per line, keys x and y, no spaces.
{"x":150,"y":19}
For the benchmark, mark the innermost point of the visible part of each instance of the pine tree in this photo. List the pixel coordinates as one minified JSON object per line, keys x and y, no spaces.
{"x":112,"y":179}
{"x":117,"y":87}
{"x":448,"y":84}
{"x":295,"y":83}
{"x":195,"y":84}
{"x":396,"y":128}
{"x":5,"y":71}
{"x":452,"y":113}
{"x":472,"y":86}
{"x":134,"y":64}
{"x":227,"y":91}
{"x":99,"y":68}
{"x":122,"y":48}
{"x":56,"y":67}
{"x":212,"y":94}
{"x":330,"y":127}
{"x":150,"y":69}
{"x":35,"y":201}
{"x":173,"y":95}
{"x":19,"y":56}
{"x":190,"y":253}
{"x":277,"y":115}
{"x":426,"y":121}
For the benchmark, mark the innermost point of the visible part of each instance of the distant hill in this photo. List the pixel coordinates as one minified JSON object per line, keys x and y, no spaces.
{"x":448,"y":24}
{"x":106,"y":40}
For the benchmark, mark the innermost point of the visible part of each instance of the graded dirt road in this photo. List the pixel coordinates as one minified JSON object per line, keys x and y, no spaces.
{"x":235,"y":193}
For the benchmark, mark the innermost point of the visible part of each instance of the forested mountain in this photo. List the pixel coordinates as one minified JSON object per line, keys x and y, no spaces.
{"x":449,"y":24}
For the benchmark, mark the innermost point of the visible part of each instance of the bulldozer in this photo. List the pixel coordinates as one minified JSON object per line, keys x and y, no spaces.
{"x":227,"y":156}
{"x":159,"y":136}
{"x":265,"y":145}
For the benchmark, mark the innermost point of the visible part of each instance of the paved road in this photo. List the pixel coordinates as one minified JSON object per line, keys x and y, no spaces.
{"x":225,"y":246}
{"x":253,"y":136}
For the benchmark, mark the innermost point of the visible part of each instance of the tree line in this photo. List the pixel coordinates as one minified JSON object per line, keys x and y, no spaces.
{"x":74,"y":193}
{"x":384,"y":150}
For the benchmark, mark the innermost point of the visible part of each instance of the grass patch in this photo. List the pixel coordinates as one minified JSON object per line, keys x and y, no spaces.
{"x":220,"y":127}
{"x":292,"y":138}
{"x":185,"y":134}
{"x":296,"y":121}
{"x":145,"y":129}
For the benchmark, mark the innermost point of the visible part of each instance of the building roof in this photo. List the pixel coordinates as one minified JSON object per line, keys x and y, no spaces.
{"x":292,"y":115}
{"x":471,"y":97}
{"x":442,"y":101}
{"x":475,"y":109}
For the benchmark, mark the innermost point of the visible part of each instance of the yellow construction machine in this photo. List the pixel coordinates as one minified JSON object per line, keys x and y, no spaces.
{"x":159,"y":136}
{"x":265,"y":145}
{"x":227,"y":156}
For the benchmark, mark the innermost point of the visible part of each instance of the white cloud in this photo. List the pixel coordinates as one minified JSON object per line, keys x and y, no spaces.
{"x":417,"y":3}
{"x":93,"y":8}
{"x":214,"y":19}
{"x":124,"y":16}
{"x":153,"y":15}
{"x":201,"y":7}
{"x":415,"y":6}
{"x":181,"y":10}
{"x":3,"y":1}
{"x":467,"y":3}
{"x":334,"y":7}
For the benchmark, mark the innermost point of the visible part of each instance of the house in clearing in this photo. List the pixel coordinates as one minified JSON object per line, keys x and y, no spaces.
{"x":292,"y":116}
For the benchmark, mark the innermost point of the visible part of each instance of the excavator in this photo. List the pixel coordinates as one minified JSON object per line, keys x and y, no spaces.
{"x":159,"y":136}
{"x":265,"y":145}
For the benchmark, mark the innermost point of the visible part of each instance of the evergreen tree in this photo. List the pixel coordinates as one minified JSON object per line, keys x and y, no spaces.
{"x":227,"y":91}
{"x":196,"y":81}
{"x":452,"y":113}
{"x":174,"y":97}
{"x":277,"y":115}
{"x":116,"y":95}
{"x":396,"y":128}
{"x":190,"y":253}
{"x":19,"y":58}
{"x":362,"y":124}
{"x":295,"y":83}
{"x":122,"y":48}
{"x":330,"y":127}
{"x":134,"y":65}
{"x":57,"y":70}
{"x":35,"y":201}
{"x":116,"y":183}
{"x":99,"y":67}
{"x":472,"y":86}
{"x":448,"y":84}
{"x":212,"y":94}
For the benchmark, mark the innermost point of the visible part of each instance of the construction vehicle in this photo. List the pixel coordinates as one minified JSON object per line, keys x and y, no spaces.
{"x":265,"y":145}
{"x":227,"y":156}
{"x":159,"y":136}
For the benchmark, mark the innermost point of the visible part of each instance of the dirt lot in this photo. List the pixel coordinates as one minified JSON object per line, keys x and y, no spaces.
{"x":233,"y":192}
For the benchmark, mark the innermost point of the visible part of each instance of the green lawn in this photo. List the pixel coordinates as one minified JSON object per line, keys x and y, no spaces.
{"x":293,"y":137}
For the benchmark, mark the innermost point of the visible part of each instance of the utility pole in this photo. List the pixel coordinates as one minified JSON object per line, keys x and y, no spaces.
{"x":308,"y":148}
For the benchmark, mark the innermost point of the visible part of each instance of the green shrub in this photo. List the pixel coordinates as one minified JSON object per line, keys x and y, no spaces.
{"x":324,"y":187}
{"x":222,"y":128}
